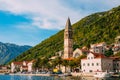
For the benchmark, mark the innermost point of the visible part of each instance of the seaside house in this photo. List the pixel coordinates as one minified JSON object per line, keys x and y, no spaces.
{"x":96,"y":62}
{"x":116,"y":47}
{"x":4,"y":69}
{"x":98,"y":48}
{"x":22,"y":66}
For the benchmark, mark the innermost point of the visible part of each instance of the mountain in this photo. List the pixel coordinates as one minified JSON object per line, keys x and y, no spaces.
{"x":98,"y":27}
{"x":10,"y":51}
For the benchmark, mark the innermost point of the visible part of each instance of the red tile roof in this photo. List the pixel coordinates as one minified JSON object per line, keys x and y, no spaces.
{"x":116,"y":47}
{"x":115,"y":57}
{"x":18,"y":63}
{"x":24,"y":67}
{"x":97,"y":55}
{"x":21,"y":63}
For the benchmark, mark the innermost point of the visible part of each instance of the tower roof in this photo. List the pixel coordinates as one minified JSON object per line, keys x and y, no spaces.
{"x":68,"y":24}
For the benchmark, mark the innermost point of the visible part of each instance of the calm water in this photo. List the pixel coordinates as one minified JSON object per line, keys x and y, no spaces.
{"x":12,"y":77}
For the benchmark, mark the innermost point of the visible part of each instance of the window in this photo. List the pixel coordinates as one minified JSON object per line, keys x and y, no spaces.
{"x":97,"y":51}
{"x":88,"y":58}
{"x":117,"y":64}
{"x":102,"y":50}
{"x":84,"y":70}
{"x":90,"y":71}
{"x":91,"y":57}
{"x":77,"y":55}
{"x":92,"y":64}
{"x":97,"y":64}
{"x":83,"y":64}
{"x":88,"y":64}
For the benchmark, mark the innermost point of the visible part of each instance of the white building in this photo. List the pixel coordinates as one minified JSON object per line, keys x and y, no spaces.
{"x":98,"y":48}
{"x":96,"y":62}
{"x":22,"y":66}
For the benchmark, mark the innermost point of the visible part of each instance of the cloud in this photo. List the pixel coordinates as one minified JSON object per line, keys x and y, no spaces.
{"x":47,"y":14}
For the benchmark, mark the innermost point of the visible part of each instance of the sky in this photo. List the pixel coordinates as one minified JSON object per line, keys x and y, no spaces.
{"x":28,"y":22}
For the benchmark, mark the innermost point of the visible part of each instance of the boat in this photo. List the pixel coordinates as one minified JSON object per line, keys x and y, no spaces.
{"x":102,"y":75}
{"x":6,"y":73}
{"x":65,"y":74}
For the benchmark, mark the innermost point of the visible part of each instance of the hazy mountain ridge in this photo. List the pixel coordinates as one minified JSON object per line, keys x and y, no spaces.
{"x":10,"y":51}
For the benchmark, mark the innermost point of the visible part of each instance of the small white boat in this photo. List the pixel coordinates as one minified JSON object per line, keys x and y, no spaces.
{"x":102,"y":75}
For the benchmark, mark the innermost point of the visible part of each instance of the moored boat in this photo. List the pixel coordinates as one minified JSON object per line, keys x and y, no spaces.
{"x":102,"y":74}
{"x":6,"y":73}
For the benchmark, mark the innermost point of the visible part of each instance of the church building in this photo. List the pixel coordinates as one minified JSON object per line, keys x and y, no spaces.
{"x":68,"y":40}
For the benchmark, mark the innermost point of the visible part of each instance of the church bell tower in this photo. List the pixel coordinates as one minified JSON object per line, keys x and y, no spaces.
{"x":68,"y":40}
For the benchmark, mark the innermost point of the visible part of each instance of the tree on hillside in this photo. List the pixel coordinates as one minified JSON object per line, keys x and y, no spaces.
{"x":109,"y":52}
{"x":36,"y":64}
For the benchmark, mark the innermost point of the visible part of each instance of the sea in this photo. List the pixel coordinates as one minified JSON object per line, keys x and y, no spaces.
{"x":18,"y":77}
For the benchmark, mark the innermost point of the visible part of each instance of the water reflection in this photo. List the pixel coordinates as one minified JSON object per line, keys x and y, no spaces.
{"x":13,"y":77}
{"x":87,"y":78}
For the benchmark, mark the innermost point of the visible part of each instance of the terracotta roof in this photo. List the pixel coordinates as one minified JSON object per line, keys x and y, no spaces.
{"x":116,"y":46}
{"x":25,"y":67}
{"x":114,"y":57}
{"x":21,"y":63}
{"x":26,"y":62}
{"x":98,"y":55}
{"x":18,"y":63}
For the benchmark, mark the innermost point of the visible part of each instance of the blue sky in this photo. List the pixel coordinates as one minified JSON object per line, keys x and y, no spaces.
{"x":28,"y":22}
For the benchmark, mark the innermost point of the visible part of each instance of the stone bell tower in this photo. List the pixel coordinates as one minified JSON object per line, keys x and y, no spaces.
{"x":68,"y":40}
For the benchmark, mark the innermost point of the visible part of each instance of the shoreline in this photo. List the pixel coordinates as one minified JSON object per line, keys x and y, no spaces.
{"x":73,"y":74}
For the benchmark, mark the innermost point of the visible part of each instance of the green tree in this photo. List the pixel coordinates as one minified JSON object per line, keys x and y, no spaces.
{"x":109,"y":52}
{"x":36,"y":64}
{"x":66,"y":64}
{"x":72,"y":64}
{"x":58,"y":61}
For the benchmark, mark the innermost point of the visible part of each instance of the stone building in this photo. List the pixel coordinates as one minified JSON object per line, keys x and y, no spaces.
{"x":116,"y":47}
{"x":68,"y":40}
{"x":79,"y":52}
{"x":98,"y":48}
